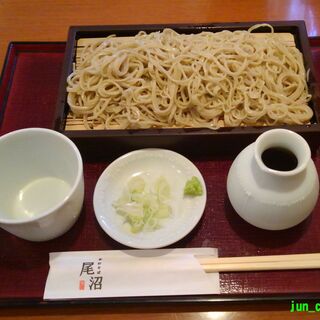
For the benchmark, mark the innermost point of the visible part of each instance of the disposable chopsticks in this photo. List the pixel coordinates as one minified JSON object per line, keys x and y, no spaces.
{"x":260,"y":263}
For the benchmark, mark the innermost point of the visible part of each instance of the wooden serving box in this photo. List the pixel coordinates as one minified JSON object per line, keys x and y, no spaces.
{"x":105,"y":144}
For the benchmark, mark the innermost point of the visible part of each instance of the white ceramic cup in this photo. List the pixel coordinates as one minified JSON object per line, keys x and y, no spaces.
{"x":41,"y":183}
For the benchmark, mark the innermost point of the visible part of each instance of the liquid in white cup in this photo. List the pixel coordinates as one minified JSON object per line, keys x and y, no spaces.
{"x":39,"y":196}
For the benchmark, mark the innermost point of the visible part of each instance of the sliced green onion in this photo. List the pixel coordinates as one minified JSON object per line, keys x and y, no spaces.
{"x":143,"y":206}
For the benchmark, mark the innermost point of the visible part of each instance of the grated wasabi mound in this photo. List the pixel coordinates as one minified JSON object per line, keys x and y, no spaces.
{"x":193,"y":187}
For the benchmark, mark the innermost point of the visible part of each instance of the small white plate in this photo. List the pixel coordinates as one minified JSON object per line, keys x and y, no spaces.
{"x":186,"y":211}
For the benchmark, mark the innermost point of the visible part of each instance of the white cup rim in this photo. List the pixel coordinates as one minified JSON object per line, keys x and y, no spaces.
{"x":277,"y":133}
{"x":70,"y":192}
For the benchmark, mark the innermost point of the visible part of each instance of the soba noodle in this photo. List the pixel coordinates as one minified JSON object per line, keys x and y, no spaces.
{"x":166,"y":79}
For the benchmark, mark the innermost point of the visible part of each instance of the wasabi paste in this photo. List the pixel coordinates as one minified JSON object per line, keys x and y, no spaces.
{"x":193,"y":187}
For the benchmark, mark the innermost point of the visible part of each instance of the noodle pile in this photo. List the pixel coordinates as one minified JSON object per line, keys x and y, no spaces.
{"x":166,"y":79}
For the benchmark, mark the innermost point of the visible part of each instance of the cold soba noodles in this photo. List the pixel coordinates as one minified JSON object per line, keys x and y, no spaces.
{"x":166,"y":79}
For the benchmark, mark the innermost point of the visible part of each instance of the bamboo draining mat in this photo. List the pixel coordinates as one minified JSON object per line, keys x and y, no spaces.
{"x":73,"y":123}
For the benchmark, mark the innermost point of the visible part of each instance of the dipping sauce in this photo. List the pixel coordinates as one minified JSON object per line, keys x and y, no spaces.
{"x":280,"y":159}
